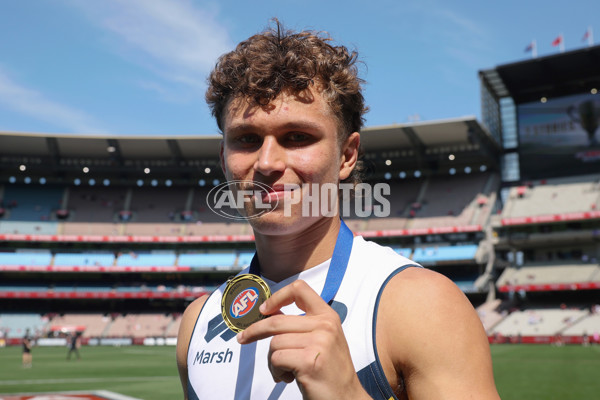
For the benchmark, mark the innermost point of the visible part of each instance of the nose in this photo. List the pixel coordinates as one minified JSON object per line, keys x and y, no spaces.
{"x":271,"y":157}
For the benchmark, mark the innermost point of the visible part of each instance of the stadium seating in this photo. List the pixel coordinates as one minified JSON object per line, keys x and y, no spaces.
{"x":207,"y":260}
{"x":134,"y":259}
{"x":157,"y":204}
{"x":549,"y":274}
{"x":95,"y":204}
{"x":32,"y":203}
{"x":588,"y":325}
{"x":434,"y":254}
{"x":95,"y":324}
{"x":26,"y":258}
{"x":29,"y":227}
{"x":538,"y":322}
{"x":84,"y":259}
{"x":553,"y":196}
{"x":138,"y":325}
{"x":489,"y":315}
{"x":15,"y":325}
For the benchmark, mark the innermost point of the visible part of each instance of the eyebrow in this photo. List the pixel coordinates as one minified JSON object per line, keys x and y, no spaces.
{"x":292,"y":125}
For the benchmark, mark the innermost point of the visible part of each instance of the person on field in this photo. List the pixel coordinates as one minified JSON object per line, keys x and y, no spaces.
{"x":27,"y":357}
{"x":348,"y":318}
{"x":74,"y":343}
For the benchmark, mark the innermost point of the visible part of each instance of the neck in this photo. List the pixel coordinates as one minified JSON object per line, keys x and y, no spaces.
{"x":282,"y":256}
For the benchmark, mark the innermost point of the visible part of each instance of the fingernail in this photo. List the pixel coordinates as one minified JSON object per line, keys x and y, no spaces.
{"x":240,"y":337}
{"x":262,"y":308}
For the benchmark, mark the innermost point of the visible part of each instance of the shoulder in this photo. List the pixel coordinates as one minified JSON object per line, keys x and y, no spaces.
{"x":431,"y":335}
{"x":425,"y":304}
{"x":186,"y":328}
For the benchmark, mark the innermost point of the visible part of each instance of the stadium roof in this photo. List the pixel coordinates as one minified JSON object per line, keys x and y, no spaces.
{"x":452,"y":132}
{"x":562,"y":74}
{"x":412,"y":144}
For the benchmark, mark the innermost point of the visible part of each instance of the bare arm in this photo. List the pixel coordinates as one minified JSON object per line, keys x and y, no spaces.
{"x":429,"y":335}
{"x":186,"y":328}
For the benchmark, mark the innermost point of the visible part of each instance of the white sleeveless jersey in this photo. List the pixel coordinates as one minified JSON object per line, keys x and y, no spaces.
{"x":220,"y":368}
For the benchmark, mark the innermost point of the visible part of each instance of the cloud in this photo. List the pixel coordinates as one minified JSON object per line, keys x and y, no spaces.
{"x":172,"y":38}
{"x":34,"y":104}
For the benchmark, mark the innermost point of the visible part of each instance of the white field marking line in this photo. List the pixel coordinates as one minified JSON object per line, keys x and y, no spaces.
{"x":84,"y":380}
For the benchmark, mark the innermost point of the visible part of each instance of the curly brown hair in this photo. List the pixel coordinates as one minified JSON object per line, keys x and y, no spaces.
{"x":277,"y":60}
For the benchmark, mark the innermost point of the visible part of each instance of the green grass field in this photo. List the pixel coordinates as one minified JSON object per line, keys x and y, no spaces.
{"x":528,"y":372}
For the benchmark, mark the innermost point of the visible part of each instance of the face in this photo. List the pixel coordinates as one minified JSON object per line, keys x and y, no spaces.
{"x":289,"y":145}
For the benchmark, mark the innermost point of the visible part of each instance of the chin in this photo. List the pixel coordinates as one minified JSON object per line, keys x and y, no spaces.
{"x":275,"y":223}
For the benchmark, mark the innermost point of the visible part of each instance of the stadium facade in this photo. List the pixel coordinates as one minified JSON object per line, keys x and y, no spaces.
{"x":113,"y":235}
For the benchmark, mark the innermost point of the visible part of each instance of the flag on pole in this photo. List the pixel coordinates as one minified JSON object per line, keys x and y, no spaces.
{"x":589,"y":36}
{"x":558,"y":40}
{"x":532,"y":47}
{"x":586,"y":35}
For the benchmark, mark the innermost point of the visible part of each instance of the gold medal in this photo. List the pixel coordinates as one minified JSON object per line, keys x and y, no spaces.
{"x":242,"y":297}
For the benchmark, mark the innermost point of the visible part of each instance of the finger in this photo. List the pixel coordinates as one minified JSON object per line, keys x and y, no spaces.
{"x":285,"y":342}
{"x":286,"y":361}
{"x":277,"y":325}
{"x":297,"y":292}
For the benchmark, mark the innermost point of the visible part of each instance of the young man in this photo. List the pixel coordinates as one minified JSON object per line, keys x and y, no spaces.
{"x":348,"y":319}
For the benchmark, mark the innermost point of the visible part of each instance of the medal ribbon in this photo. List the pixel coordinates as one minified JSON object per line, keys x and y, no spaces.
{"x":337,"y":266}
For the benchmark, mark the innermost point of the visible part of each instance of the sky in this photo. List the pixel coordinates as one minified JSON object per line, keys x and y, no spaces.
{"x":139,"y":67}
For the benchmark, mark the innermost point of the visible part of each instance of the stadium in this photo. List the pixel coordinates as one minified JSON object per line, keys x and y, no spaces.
{"x":111,"y":237}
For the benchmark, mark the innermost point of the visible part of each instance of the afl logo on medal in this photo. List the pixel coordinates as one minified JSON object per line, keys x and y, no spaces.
{"x":241,"y":299}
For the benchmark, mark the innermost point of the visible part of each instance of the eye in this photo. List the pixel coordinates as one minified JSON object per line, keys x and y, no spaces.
{"x":298,"y":137}
{"x":247,"y":139}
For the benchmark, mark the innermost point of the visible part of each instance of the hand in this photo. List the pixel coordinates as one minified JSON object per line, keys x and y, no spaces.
{"x":311,"y":348}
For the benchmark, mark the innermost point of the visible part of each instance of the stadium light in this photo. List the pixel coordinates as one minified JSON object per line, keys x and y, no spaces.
{"x":594,"y":91}
{"x":207,"y":170}
{"x":388,"y":176}
{"x":106,"y":182}
{"x":452,"y":171}
{"x":140,"y":182}
{"x":86,"y":170}
{"x":201,"y":182}
{"x":22,"y":167}
{"x":467,"y":170}
{"x":543,"y":99}
{"x":215,"y":182}
{"x":77,"y":181}
{"x":402,"y":175}
{"x":388,"y":162}
{"x":146,"y":170}
{"x":92,"y":182}
{"x":42,"y":181}
{"x":154,"y":182}
{"x":12,"y":179}
{"x":27,"y":180}
{"x":451,"y":157}
{"x":111,"y":149}
{"x":168,"y":182}
{"x":483,"y":168}
{"x":417,"y":174}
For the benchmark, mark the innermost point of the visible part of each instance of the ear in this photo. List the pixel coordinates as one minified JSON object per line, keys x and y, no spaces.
{"x":349,"y":155}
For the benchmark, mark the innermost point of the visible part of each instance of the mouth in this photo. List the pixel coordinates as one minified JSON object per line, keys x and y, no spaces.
{"x":277,"y":192}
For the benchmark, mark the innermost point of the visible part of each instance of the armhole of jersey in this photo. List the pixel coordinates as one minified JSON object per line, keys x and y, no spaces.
{"x":378,"y":373}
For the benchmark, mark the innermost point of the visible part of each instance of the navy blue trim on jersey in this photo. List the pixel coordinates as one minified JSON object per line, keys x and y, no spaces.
{"x":337,"y":265}
{"x":191,"y":394}
{"x":372,"y":376}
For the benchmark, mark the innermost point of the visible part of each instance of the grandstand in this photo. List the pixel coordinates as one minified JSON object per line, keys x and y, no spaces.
{"x":115,"y":252}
